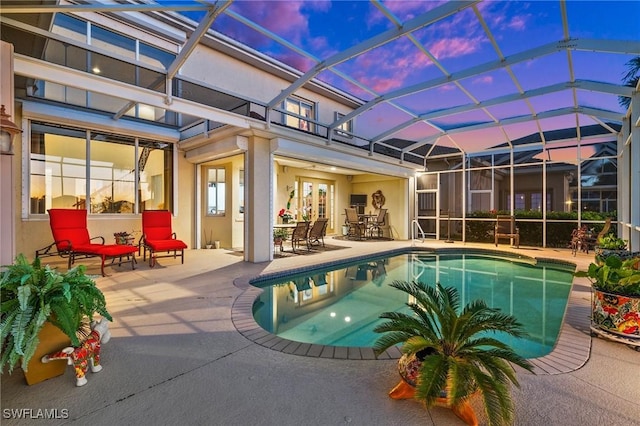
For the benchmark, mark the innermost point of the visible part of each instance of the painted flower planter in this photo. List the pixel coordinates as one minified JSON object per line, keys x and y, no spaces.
{"x":616,"y":314}
{"x":409,"y":369}
{"x":601,"y":254}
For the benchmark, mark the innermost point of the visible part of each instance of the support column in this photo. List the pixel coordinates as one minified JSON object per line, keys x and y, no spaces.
{"x":634,"y":175}
{"x":258,"y":181}
{"x":7,"y":162}
{"x":624,"y":170}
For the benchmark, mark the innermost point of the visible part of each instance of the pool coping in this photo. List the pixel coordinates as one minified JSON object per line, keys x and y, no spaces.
{"x":571,"y":351}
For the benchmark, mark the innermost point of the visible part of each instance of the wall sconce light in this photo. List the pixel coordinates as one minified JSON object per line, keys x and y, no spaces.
{"x":8,"y":130}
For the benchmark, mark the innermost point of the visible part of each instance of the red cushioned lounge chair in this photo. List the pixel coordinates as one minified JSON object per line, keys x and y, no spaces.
{"x":71,"y":239}
{"x":158,"y":236}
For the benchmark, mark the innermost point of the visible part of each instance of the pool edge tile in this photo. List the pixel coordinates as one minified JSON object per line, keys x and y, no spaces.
{"x":571,"y":351}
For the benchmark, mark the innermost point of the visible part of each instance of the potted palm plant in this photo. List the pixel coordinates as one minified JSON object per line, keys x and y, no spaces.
{"x":450,"y":355}
{"x":279,"y":235}
{"x":616,"y":297}
{"x":36,"y":300}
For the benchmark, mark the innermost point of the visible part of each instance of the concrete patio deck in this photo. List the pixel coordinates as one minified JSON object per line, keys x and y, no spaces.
{"x":179,"y":355}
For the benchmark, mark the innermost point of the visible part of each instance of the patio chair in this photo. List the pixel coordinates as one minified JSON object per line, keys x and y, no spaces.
{"x":71,"y":240}
{"x":158,"y":237}
{"x":506,"y":228}
{"x":356,"y":226}
{"x":376,"y":225}
{"x":318,"y":231}
{"x":300,"y":233}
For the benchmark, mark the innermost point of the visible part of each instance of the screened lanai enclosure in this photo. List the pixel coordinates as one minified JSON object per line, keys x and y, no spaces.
{"x":529,"y":109}
{"x":550,"y":191}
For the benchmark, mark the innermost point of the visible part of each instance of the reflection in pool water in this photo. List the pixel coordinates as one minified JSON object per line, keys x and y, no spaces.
{"x":341,"y":306}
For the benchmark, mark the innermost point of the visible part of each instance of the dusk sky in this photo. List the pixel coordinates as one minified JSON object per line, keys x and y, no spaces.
{"x":459,"y":42}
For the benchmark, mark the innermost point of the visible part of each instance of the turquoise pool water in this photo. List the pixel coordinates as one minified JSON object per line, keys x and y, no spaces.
{"x":340,"y":306}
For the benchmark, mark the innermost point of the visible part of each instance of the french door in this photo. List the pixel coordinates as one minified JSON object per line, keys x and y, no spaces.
{"x":317,"y":200}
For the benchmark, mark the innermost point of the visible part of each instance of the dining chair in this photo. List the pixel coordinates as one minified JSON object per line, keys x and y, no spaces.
{"x":318,"y":231}
{"x":377,"y":224}
{"x":300,"y":234}
{"x":356,"y":226}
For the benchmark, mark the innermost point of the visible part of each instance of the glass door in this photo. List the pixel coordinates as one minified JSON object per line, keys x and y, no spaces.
{"x":316,"y":200}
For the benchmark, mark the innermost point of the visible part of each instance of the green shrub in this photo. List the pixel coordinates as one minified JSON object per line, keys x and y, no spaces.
{"x":32,"y":294}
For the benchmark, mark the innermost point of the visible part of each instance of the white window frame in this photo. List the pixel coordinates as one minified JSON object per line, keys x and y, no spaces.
{"x":346,"y":128}
{"x":291,"y":119}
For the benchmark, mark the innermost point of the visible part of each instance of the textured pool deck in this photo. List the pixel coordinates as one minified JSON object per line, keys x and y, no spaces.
{"x":185,"y":350}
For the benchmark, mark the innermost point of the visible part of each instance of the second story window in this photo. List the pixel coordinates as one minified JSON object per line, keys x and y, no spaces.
{"x":216,"y":191}
{"x":298,"y":110}
{"x":346,"y":128}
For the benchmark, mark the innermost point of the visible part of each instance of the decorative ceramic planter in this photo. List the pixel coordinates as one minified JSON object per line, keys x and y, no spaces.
{"x":616,"y":314}
{"x":601,"y":254}
{"x":51,"y":339}
{"x":124,"y":240}
{"x":409,"y":369}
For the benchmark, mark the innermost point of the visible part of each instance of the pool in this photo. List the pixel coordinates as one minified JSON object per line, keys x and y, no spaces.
{"x":340,"y":305}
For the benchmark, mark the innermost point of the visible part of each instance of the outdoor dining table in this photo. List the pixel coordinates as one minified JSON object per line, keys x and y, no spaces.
{"x":284,"y":225}
{"x":366,"y":218}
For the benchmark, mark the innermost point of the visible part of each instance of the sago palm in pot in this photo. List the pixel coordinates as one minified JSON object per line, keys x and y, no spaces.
{"x":458,"y":354}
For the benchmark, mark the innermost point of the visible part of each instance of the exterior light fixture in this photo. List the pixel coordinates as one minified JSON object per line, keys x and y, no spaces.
{"x":8,"y":130}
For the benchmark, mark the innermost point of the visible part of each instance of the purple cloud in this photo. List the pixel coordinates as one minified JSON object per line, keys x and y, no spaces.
{"x":406,"y":10}
{"x":284,"y":18}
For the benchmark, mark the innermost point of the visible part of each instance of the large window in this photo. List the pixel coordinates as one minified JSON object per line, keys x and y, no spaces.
{"x":216,"y":191}
{"x":61,"y":175}
{"x":112,"y":181}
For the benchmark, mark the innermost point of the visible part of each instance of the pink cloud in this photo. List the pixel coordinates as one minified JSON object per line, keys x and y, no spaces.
{"x":487,"y":79}
{"x":388,"y":67}
{"x":518,"y":23}
{"x":406,"y":10}
{"x":461,"y":24}
{"x":282,"y":17}
{"x":453,"y":47}
{"x":447,"y":88}
{"x":294,"y":60}
{"x":320,"y":43}
{"x":498,"y":15}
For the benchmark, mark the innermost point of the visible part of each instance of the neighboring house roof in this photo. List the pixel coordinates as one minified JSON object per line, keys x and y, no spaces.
{"x":565,"y":134}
